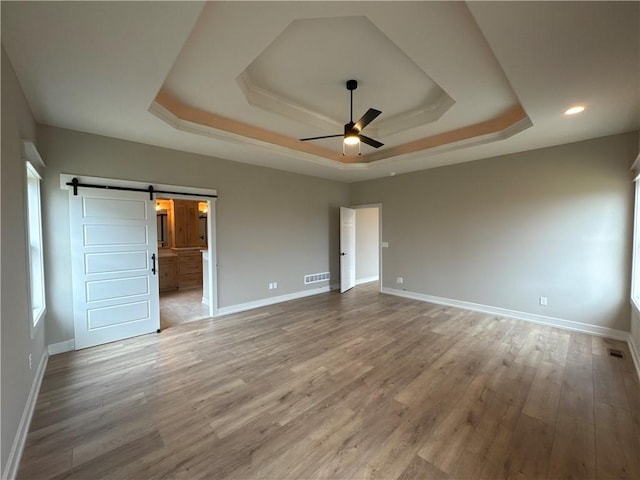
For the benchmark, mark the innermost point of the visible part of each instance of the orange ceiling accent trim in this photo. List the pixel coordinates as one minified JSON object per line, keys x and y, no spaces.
{"x":492,"y":126}
{"x":225,"y":124}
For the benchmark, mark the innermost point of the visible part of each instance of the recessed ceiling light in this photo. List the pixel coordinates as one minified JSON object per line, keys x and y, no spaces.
{"x":574,"y":110}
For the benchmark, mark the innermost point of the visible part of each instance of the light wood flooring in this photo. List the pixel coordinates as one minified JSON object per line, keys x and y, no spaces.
{"x":362,"y":385}
{"x":180,"y":306}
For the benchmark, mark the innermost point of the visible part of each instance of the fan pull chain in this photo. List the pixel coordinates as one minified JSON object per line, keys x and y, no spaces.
{"x":344,"y":149}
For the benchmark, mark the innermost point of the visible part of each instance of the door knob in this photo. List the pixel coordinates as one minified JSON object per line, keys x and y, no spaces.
{"x":342,"y":254}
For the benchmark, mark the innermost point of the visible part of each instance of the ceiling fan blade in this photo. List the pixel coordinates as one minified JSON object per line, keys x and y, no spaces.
{"x":319,"y":138}
{"x":366,"y":119}
{"x":370,"y":141}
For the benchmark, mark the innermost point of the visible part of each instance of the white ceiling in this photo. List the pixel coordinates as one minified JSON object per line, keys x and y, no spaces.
{"x":280,"y":68}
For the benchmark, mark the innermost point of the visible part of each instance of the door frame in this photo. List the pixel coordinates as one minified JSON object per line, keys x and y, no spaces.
{"x":380,"y":241}
{"x":347,"y":249}
{"x":194,"y":192}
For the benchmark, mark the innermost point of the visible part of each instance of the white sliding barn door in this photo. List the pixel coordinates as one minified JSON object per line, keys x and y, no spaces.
{"x":113,"y":247}
{"x":347,"y":249}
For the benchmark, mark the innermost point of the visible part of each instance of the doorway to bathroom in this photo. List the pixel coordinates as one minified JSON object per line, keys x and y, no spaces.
{"x":183,"y":260}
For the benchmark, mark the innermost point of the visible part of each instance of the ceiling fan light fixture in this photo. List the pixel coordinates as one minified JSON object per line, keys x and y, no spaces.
{"x":352,"y":135}
{"x":351,"y":139}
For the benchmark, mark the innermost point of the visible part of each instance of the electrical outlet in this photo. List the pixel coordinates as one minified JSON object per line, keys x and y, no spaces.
{"x":270,"y":286}
{"x":399,"y":280}
{"x":543,"y":301}
{"x":30,"y":362}
{"x":275,"y":284}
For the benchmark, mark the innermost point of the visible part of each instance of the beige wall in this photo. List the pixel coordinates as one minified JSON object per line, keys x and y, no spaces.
{"x":502,"y":232}
{"x":272,"y":226}
{"x":367,"y":243}
{"x":17,"y":125}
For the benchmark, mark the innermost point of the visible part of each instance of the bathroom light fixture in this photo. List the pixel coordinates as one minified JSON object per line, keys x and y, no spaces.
{"x":158,"y":207}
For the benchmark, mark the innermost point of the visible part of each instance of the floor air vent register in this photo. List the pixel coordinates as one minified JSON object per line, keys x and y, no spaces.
{"x":615,"y":353}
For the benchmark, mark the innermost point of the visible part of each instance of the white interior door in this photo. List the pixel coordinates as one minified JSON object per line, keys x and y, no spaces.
{"x":114,"y":254}
{"x":347,"y":248}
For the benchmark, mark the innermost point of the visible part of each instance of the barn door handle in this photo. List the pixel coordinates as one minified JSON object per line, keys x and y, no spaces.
{"x":153,"y":259}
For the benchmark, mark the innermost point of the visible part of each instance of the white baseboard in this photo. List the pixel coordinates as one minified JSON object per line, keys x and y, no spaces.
{"x":13,"y":462}
{"x":241,"y":307}
{"x":504,"y":312}
{"x":367,"y":280}
{"x":61,"y":347}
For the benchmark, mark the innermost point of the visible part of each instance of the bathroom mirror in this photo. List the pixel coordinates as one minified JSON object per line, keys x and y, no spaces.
{"x":162,"y":220}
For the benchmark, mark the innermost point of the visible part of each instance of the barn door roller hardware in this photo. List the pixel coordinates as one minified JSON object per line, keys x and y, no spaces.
{"x":75,"y":183}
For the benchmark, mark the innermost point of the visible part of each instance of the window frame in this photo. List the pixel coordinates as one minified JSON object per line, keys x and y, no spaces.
{"x":34,"y":236}
{"x":635,"y":253}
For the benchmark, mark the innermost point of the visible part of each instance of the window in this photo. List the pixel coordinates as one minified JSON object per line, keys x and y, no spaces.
{"x":36,"y":264}
{"x":635,"y":266}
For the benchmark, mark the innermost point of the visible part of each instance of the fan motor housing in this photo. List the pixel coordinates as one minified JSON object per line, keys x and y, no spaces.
{"x":349,"y":130}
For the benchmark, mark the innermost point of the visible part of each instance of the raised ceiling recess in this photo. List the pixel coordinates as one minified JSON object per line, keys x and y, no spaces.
{"x":284,"y":78}
{"x":280,"y":75}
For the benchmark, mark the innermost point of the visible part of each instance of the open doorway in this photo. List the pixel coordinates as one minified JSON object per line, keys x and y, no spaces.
{"x":360,"y":246}
{"x":182,"y":260}
{"x":367,"y":245}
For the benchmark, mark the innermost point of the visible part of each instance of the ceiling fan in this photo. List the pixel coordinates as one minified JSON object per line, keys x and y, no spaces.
{"x":352,"y":135}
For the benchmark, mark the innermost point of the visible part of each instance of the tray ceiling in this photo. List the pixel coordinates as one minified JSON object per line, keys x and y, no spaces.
{"x":245,"y":80}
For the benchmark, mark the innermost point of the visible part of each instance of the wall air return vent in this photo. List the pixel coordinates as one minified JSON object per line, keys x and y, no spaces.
{"x":316,"y":277}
